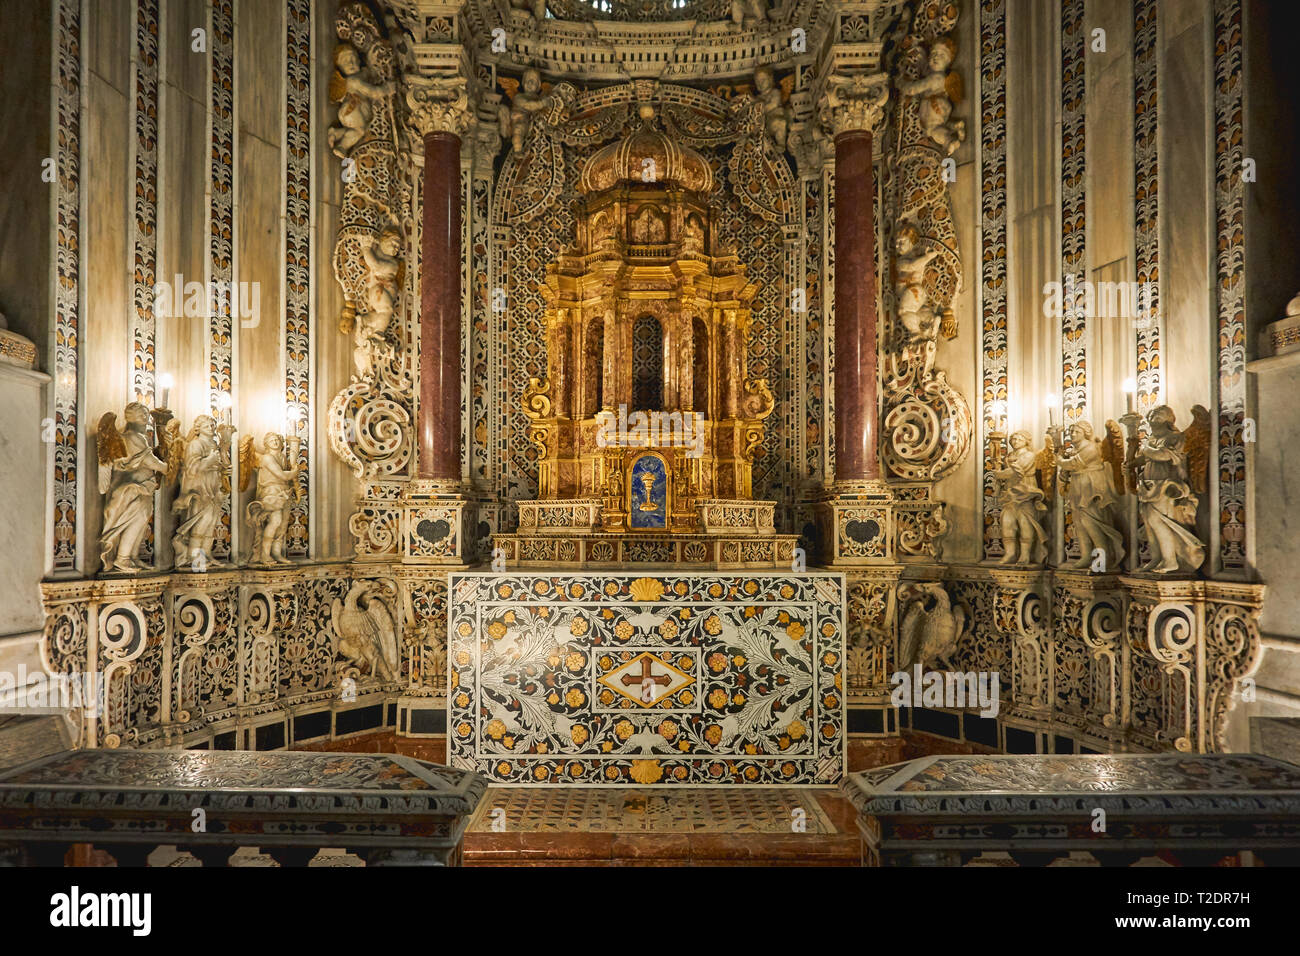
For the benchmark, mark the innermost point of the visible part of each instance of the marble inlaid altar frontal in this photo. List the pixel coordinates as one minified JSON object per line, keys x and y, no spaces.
{"x":627,"y":679}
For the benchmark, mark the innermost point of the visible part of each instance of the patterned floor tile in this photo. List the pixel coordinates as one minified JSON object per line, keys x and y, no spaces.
{"x":623,"y":810}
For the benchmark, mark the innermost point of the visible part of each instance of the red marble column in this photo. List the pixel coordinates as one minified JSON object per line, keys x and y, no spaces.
{"x":439,"y":421}
{"x":855,"y":309}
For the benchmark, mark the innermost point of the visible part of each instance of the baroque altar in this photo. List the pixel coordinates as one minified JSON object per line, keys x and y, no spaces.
{"x":647,"y":422}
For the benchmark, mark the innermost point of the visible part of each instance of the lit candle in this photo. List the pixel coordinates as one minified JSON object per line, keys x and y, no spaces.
{"x":165,"y":383}
{"x":1130,"y":389}
{"x":224,"y":404}
{"x":1050,"y":402}
{"x":999,"y":412}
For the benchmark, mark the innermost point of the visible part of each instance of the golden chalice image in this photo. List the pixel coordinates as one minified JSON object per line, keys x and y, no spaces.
{"x":648,"y":480}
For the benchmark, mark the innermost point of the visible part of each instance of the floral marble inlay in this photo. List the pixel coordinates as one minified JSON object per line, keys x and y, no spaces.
{"x":614,"y":679}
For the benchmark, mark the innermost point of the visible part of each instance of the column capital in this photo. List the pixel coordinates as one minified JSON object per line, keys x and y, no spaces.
{"x":438,"y":106}
{"x":854,"y":103}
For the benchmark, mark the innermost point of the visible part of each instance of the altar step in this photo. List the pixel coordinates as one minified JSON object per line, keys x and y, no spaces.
{"x":738,"y":826}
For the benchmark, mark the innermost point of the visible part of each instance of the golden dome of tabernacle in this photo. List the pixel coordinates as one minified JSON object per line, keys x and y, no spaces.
{"x":647,"y":155}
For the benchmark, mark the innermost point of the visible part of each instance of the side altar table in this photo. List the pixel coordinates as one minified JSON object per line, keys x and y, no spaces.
{"x":1175,"y":809}
{"x":390,"y":810}
{"x":663,"y":678}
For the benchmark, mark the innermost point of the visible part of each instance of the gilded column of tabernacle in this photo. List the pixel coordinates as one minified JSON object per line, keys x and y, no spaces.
{"x":730,"y":395}
{"x":610,"y":390}
{"x":562,"y":373}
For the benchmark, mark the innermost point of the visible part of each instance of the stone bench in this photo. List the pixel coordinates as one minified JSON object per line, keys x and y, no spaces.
{"x":1007,"y":810}
{"x":390,"y":810}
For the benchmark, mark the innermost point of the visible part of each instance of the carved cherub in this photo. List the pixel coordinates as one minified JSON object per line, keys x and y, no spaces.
{"x":383,"y":288}
{"x":939,"y":90}
{"x":277,"y":487}
{"x":353,"y":91}
{"x":1112,"y":452}
{"x":204,"y":482}
{"x":1092,"y":494}
{"x":128,"y":474}
{"x":756,"y":400}
{"x":1022,"y":500}
{"x":776,"y":114}
{"x":1170,"y":468}
{"x":918,"y":319}
{"x":909,"y":262}
{"x":516,"y":120}
{"x":811,"y":146}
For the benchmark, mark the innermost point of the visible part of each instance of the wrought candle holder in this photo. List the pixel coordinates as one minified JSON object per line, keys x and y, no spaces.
{"x":1132,"y":422}
{"x":997,"y":444}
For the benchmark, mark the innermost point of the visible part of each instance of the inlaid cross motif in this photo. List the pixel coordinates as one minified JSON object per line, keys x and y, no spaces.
{"x":646,"y":678}
{"x":646,"y":675}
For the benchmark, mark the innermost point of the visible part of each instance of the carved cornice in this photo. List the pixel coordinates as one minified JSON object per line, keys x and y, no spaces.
{"x":597,"y":46}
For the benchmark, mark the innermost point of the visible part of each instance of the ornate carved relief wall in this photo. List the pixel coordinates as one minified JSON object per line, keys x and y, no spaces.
{"x":926,"y":426}
{"x":1114,"y":663}
{"x":1122,"y":662}
{"x":371,"y":421}
{"x":184,"y":658}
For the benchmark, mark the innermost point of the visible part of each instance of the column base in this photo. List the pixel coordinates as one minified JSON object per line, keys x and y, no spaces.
{"x":437,"y":523}
{"x":855,"y":523}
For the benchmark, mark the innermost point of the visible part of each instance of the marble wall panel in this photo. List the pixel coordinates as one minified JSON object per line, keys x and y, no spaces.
{"x":1108,"y":104}
{"x":106,"y":340}
{"x":181,"y":238}
{"x":260,"y":389}
{"x":1275,"y":483}
{"x":1186,"y":217}
{"x":1033,"y":96}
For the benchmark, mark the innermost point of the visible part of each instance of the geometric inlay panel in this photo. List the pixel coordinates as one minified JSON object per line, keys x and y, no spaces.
{"x":627,"y":679}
